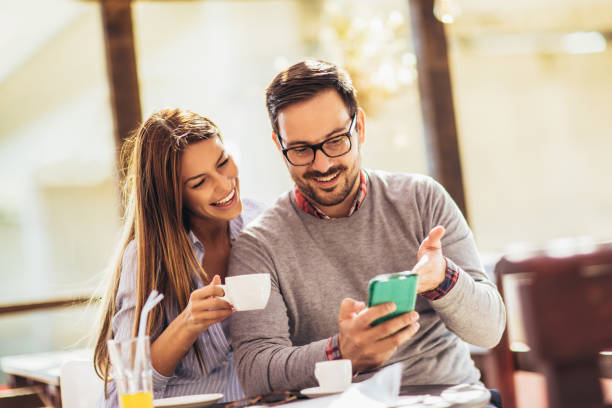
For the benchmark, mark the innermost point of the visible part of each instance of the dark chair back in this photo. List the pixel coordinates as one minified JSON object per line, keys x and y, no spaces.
{"x":567,"y":313}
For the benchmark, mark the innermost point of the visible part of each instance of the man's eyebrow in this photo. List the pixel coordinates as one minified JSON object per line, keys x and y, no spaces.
{"x":219,"y":160}
{"x":337,"y":130}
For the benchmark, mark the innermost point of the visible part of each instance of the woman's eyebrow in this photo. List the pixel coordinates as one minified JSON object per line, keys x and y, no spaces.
{"x":219,"y":160}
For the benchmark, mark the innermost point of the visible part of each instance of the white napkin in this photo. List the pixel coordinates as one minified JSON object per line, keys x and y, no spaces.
{"x":381,"y":390}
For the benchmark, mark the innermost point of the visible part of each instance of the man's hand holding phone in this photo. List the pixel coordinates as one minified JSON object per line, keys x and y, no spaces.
{"x":370,"y":346}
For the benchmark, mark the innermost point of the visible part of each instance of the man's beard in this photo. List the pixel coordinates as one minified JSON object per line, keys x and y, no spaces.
{"x":336,"y":194}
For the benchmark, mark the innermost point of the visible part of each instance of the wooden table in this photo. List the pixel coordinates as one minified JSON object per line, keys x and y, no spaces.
{"x":40,"y":370}
{"x":476,"y":400}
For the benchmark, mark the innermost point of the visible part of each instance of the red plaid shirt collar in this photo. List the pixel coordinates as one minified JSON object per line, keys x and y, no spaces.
{"x":311,"y":209}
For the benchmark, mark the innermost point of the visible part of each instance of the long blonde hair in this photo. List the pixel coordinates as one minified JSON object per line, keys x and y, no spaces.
{"x":155,"y":219}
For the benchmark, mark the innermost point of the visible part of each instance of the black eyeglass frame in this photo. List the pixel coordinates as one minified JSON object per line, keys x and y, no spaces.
{"x":319,"y":146}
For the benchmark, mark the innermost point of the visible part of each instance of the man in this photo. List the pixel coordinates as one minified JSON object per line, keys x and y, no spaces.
{"x":339,"y":227}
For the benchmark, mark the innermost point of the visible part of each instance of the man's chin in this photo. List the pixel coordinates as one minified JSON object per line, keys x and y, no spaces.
{"x":328,"y":197}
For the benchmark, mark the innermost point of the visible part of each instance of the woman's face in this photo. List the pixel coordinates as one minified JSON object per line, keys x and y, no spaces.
{"x":210,"y":181}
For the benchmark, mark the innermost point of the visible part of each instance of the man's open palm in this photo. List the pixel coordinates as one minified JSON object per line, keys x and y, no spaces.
{"x":431,"y":265}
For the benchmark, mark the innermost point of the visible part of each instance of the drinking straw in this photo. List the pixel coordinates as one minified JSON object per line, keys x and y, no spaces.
{"x":152,"y":301}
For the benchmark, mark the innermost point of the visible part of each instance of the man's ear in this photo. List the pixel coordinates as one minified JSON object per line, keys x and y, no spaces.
{"x":275,"y":140}
{"x":361,"y":125}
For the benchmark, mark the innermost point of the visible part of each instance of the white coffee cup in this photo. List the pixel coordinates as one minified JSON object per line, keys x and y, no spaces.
{"x":334,"y":375}
{"x":247,"y":292}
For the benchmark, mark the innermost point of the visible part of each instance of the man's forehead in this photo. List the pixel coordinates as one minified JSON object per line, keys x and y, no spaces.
{"x":316,"y":118}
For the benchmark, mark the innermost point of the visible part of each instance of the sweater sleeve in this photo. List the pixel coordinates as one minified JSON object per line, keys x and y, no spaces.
{"x":265,"y":357}
{"x":473,"y":308}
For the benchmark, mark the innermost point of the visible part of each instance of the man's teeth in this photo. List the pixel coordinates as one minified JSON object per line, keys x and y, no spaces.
{"x":227,"y":199}
{"x":328,"y":178}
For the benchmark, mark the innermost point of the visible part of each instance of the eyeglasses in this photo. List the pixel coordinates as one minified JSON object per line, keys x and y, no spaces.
{"x":336,"y":146}
{"x":268,"y":400}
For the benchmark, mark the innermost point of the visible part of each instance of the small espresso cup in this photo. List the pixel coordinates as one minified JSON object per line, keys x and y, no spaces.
{"x":247,"y":292}
{"x":334,"y":375}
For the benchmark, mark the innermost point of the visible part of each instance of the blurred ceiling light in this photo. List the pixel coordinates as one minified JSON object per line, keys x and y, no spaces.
{"x":376,"y":26}
{"x":584,"y":42}
{"x":537,"y":43}
{"x":362,"y":35}
{"x":409,"y":59}
{"x":359,"y":23}
{"x":385,"y":76}
{"x":396,"y":19}
{"x":446,"y":11}
{"x":406,"y":76}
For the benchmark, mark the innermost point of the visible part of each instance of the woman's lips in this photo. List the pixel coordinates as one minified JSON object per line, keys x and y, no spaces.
{"x":227,"y":201}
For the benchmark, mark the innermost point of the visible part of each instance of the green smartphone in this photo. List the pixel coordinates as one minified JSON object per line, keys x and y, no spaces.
{"x":399,"y":288}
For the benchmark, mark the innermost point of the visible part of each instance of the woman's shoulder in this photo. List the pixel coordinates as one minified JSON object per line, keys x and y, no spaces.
{"x":251,"y":209}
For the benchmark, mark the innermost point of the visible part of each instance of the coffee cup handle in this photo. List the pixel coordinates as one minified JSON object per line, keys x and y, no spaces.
{"x":227,"y":297}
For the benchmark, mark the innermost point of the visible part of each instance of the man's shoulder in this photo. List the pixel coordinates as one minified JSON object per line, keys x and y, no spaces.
{"x":402,"y":183}
{"x":271,"y":221}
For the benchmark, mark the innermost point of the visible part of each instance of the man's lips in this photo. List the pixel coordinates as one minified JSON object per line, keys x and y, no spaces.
{"x":327,"y":178}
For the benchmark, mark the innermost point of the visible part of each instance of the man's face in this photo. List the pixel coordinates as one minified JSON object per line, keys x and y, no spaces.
{"x":329,"y":182}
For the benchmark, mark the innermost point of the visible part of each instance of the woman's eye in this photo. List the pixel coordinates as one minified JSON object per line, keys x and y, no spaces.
{"x":224,"y":162}
{"x":199,"y":184}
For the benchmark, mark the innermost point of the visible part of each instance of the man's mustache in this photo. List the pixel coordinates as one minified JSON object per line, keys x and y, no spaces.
{"x":318,"y":174}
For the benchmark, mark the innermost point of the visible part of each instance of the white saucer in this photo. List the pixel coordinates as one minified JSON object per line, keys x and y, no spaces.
{"x":188,"y":401}
{"x":315,"y":392}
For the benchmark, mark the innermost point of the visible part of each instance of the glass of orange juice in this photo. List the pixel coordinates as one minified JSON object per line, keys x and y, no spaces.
{"x":131,"y":371}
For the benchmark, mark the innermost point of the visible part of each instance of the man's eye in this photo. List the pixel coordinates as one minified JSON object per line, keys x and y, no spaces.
{"x":335,"y":141}
{"x":301,"y":150}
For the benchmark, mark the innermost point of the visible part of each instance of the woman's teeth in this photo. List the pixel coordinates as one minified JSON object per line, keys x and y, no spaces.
{"x":227,"y":198}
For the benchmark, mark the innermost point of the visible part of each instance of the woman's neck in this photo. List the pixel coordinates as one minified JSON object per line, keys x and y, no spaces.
{"x":210,"y":232}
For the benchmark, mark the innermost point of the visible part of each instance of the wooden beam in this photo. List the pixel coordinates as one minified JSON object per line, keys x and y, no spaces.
{"x":121,"y":67}
{"x":45,"y":305}
{"x":442,"y":148}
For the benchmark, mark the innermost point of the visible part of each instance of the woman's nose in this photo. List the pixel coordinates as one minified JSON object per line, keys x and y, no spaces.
{"x":224,"y":184}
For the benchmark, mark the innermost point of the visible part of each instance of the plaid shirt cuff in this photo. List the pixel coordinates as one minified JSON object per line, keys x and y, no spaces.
{"x":333,"y":348}
{"x":452,"y":273}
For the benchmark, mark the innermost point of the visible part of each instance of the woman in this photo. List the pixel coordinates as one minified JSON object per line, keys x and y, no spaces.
{"x":182,"y":212}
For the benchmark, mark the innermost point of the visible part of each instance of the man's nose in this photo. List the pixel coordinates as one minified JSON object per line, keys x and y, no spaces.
{"x":321,"y":162}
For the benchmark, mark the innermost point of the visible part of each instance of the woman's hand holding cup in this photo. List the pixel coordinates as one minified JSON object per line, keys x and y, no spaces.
{"x":206,"y":307}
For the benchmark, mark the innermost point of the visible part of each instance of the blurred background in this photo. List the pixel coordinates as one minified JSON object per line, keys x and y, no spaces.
{"x":532,"y":94}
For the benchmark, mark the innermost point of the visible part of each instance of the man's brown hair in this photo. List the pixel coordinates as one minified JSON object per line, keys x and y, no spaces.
{"x":304,"y":80}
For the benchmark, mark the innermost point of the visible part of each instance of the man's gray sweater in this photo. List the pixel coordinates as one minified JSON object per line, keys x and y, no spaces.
{"x":315,"y":263}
